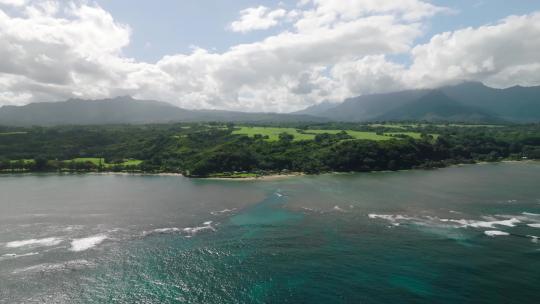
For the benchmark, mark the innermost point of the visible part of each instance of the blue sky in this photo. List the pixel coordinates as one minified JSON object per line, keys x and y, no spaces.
{"x":174,"y":26}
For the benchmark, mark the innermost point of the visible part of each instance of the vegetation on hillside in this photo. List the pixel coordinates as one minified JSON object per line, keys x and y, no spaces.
{"x":214,"y":149}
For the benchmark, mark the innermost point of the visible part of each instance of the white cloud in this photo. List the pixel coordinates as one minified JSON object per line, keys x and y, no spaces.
{"x":327,"y":11}
{"x":13,"y":2}
{"x":257,"y":18}
{"x":500,"y":55}
{"x":335,"y":49}
{"x":49,"y":55}
{"x":488,"y":53}
{"x":369,"y":75}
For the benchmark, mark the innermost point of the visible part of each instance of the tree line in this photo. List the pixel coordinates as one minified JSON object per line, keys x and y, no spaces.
{"x":202,"y":150}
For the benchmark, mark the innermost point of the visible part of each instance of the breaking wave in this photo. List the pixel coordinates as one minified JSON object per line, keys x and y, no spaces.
{"x":83,"y":244}
{"x":189,"y":231}
{"x":9,"y":256}
{"x":494,"y":233}
{"x":53,"y":267}
{"x":487,"y":222}
{"x":51,"y":241}
{"x":225,"y":211}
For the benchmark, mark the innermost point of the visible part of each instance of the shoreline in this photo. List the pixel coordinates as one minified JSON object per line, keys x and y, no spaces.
{"x":268,"y":177}
{"x":91,"y":173}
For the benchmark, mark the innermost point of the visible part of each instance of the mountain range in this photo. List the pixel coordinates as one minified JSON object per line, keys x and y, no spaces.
{"x":126,"y":110}
{"x":467,"y":102}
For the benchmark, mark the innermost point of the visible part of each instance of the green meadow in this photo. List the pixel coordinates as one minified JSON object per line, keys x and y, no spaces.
{"x":12,"y":133}
{"x":273,"y":133}
{"x":94,"y":160}
{"x":402,"y":126}
{"x":98,"y":161}
{"x":25,"y":161}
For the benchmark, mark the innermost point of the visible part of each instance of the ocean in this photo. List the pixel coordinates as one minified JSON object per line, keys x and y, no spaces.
{"x":466,"y":234}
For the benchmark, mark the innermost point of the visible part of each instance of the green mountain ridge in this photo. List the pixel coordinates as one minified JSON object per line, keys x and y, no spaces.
{"x":126,"y":110}
{"x":437,"y":106}
{"x":465,"y":102}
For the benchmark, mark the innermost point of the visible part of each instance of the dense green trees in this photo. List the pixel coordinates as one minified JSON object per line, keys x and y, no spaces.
{"x":207,"y":149}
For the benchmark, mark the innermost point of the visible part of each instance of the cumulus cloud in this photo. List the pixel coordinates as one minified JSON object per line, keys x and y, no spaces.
{"x":369,"y":75}
{"x":13,"y":2}
{"x":46,"y":55}
{"x":333,"y":50}
{"x":257,"y":18}
{"x":325,"y":12}
{"x":501,"y":54}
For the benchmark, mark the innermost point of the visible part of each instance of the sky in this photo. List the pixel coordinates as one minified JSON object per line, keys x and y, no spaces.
{"x":251,"y":55}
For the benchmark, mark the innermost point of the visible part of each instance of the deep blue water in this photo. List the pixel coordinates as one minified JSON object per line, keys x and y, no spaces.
{"x":456,"y":235}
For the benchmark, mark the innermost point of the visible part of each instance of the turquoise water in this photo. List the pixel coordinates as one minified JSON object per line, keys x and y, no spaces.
{"x":456,"y":235}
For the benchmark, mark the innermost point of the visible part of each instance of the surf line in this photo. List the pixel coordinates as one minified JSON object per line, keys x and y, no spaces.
{"x":533,"y":238}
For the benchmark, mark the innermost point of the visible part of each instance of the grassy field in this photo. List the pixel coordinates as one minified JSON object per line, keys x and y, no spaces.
{"x":470,"y":126}
{"x":97,"y":161}
{"x":234,"y":175}
{"x":273,"y":133}
{"x":13,"y":133}
{"x":94,"y":160}
{"x":388,"y":125}
{"x":402,"y":126}
{"x":26,"y":161}
{"x":132,"y":162}
{"x":414,"y":135}
{"x":355,"y":134}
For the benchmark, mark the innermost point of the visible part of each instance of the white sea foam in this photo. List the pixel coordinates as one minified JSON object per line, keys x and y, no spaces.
{"x":534,"y":225}
{"x":166,"y":230}
{"x":531,"y":214}
{"x":394,"y":219}
{"x":484,"y":224}
{"x":534,"y":238}
{"x":488,"y":222}
{"x":207,"y":226}
{"x":52,"y":267}
{"x":279,"y":194}
{"x":389,"y":217}
{"x":189,"y":230}
{"x":87,"y":243}
{"x":494,"y":233}
{"x":224,"y":211}
{"x":52,"y":241}
{"x":9,"y":256}
{"x":339,"y":209}
{"x":72,"y":228}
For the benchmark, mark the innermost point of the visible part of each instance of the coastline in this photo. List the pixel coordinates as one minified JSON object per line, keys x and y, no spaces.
{"x":263,"y":177}
{"x":91,"y":173}
{"x":133,"y":173}
{"x":268,"y":177}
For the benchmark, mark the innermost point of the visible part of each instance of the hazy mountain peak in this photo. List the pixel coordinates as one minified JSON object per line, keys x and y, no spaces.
{"x":317,"y":108}
{"x":124,"y":98}
{"x":466,"y":101}
{"x":125,"y":110}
